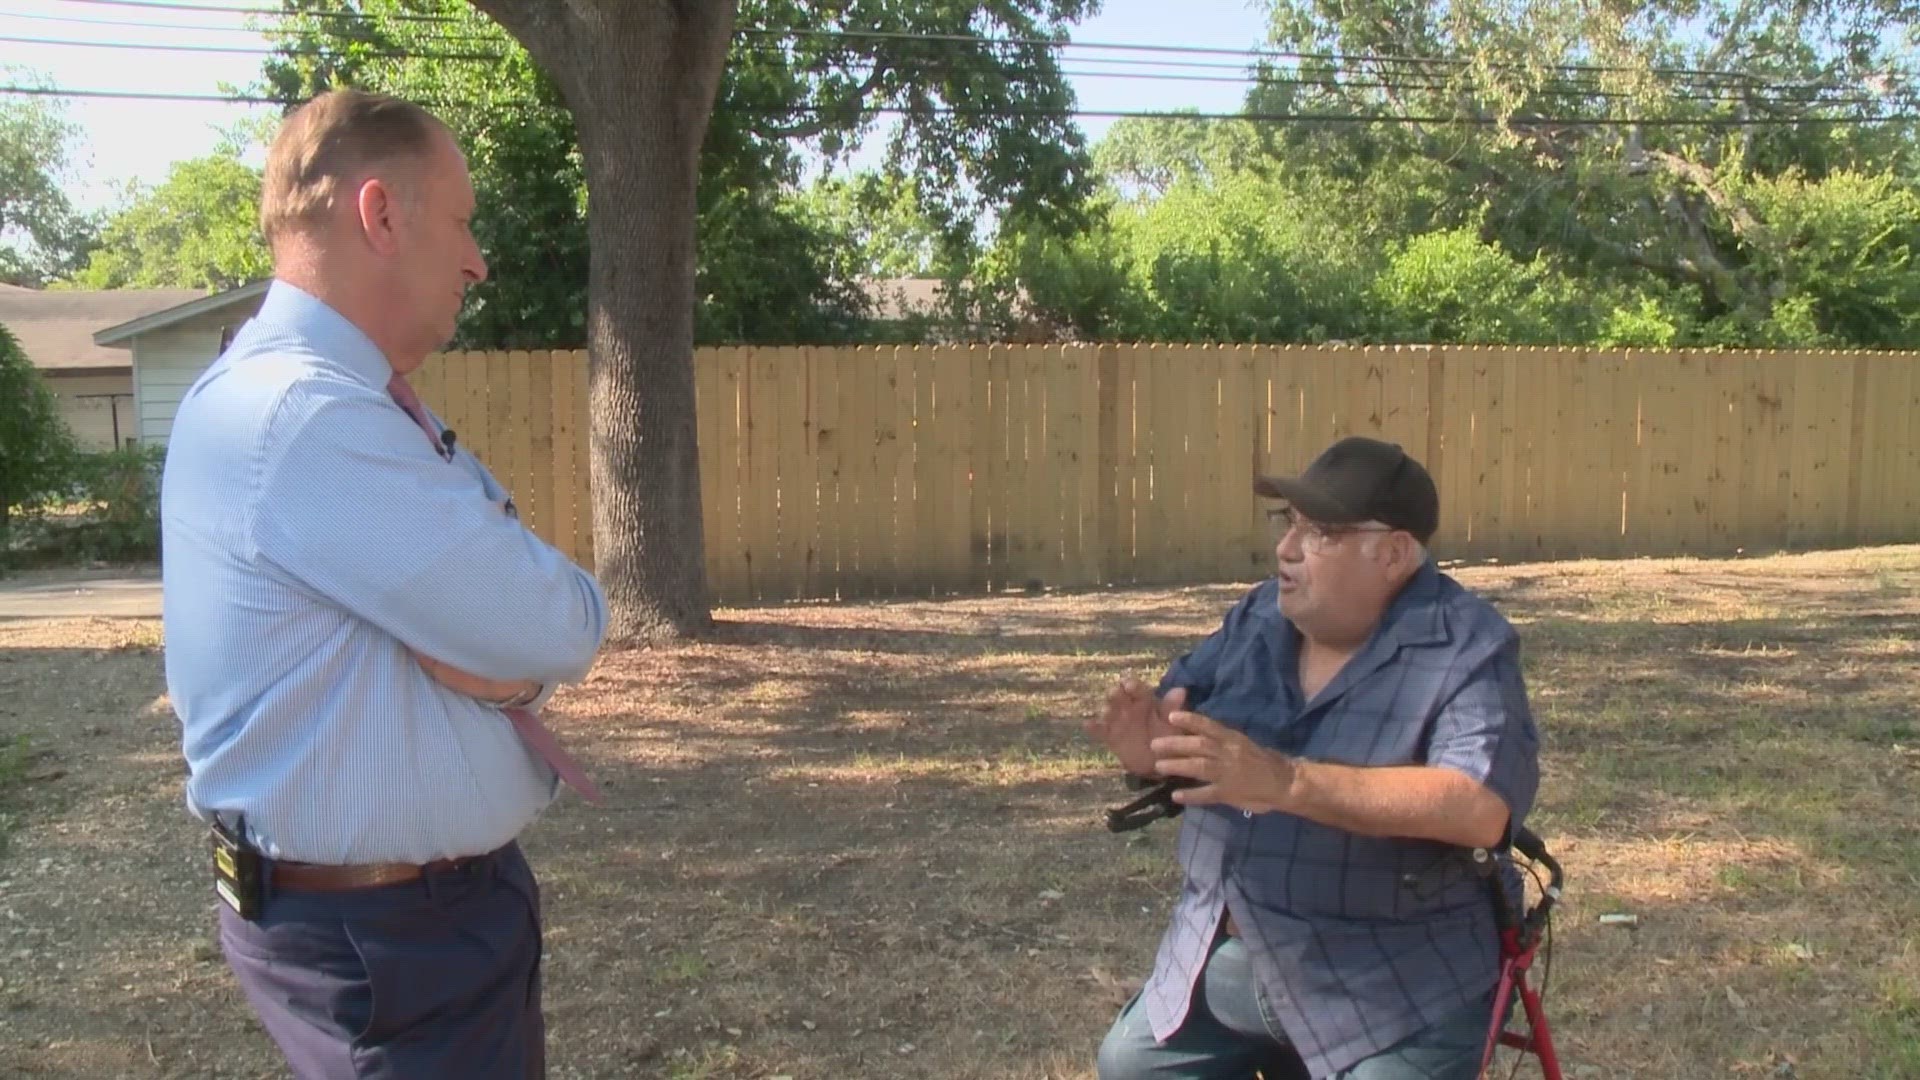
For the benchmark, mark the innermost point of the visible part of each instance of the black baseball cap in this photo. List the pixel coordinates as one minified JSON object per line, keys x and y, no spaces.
{"x":1360,"y":479}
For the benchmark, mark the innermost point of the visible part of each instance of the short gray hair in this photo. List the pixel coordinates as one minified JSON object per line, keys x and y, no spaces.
{"x":329,"y":141}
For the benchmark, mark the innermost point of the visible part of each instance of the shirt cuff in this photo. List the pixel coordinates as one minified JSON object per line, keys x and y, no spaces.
{"x":540,"y":699}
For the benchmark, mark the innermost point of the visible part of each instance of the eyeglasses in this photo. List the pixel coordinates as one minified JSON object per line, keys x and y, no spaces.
{"x":1314,"y":537}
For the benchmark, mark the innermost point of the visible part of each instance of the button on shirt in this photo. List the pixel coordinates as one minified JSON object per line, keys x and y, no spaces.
{"x":309,"y":536}
{"x":1351,"y":955}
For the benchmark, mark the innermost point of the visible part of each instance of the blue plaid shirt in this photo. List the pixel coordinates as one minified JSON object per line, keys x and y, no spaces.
{"x":1350,"y":958}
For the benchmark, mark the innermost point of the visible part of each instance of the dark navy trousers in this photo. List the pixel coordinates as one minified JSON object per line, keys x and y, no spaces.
{"x":433,"y":978}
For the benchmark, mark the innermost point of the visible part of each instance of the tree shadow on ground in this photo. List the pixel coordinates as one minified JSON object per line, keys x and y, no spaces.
{"x":865,"y":842}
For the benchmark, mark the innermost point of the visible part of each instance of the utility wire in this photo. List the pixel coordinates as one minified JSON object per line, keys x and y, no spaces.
{"x":1115,"y":114}
{"x":1545,"y":92}
{"x":973,"y":40}
{"x":1257,"y":54}
{"x":1246,"y":69}
{"x":434,"y":38}
{"x":128,"y":23}
{"x":139,"y":24}
{"x":353,"y":15}
{"x":249,"y":50}
{"x":141,"y":95}
{"x":1725,"y":93}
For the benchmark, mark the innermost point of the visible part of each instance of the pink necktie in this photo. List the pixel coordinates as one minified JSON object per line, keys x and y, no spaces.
{"x":531,"y":730}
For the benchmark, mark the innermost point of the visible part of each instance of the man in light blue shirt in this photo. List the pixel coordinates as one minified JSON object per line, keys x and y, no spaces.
{"x":352,"y":613}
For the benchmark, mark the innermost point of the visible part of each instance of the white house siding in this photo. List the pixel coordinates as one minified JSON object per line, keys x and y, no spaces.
{"x":165,"y":364}
{"x":91,"y":403}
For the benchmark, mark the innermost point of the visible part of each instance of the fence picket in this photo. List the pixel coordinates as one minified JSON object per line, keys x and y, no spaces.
{"x":840,"y":472}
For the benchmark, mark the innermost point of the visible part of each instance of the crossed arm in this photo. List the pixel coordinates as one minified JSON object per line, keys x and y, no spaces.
{"x":372,"y":519}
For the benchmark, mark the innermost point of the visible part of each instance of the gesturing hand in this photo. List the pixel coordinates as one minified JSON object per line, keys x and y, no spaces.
{"x":1230,"y":767}
{"x":1130,"y":721}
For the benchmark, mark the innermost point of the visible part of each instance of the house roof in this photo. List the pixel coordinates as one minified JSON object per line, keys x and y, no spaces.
{"x":56,"y":326}
{"x":196,"y":306}
{"x":900,"y":298}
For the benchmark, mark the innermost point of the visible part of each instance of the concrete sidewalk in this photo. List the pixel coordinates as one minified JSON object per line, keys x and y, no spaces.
{"x":78,"y":594}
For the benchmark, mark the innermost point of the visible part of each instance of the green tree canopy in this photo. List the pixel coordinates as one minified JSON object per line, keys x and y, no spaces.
{"x":881,"y":217}
{"x":200,"y":229}
{"x":1678,"y":174}
{"x":41,"y":235}
{"x":801,"y":83}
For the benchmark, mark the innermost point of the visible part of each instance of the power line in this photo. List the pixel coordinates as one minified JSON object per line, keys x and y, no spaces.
{"x":1213,"y":65}
{"x":1331,"y":81}
{"x":1134,"y":61}
{"x":969,"y":39}
{"x":142,"y":95}
{"x":1257,"y":54}
{"x":251,"y":50}
{"x":353,"y":15}
{"x":1577,"y":92}
{"x":1368,"y":118}
{"x":352,"y":53}
{"x":1246,"y":72}
{"x":1117,"y":114}
{"x":1729,"y":95}
{"x":132,"y":24}
{"x":1244,"y":69}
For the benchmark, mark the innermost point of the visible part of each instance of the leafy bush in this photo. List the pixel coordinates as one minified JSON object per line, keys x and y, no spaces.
{"x":120,"y":493}
{"x":107,"y":510}
{"x":1450,"y":286}
{"x":35,"y":447}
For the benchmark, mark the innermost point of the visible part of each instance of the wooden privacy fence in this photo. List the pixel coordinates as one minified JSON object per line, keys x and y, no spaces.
{"x":839,"y":472}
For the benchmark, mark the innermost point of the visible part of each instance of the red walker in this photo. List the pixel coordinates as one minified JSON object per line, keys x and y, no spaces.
{"x":1519,"y":940}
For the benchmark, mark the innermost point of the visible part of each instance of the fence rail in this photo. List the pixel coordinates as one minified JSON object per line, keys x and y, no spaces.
{"x":917,"y":470}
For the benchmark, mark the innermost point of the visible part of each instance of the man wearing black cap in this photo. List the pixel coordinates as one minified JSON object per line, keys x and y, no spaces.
{"x":1357,"y":718}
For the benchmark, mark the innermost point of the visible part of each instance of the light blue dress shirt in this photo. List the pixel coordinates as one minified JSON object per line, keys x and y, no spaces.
{"x":310,"y":534}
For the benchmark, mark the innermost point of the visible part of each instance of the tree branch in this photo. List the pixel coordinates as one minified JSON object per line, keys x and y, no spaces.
{"x":1456,"y":160}
{"x":539,"y":25}
{"x":1744,"y":224}
{"x":1635,"y":257}
{"x":825,"y":115}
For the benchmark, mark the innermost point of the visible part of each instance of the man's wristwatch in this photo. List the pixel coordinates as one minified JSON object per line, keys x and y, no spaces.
{"x":520,"y":700}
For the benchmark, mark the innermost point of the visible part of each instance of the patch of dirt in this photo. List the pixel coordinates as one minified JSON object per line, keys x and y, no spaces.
{"x":863,"y":840}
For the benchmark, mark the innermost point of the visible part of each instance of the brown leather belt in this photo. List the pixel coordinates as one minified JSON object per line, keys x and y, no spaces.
{"x":315,"y":877}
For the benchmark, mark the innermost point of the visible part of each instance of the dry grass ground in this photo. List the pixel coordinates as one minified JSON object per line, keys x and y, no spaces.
{"x":863,"y":841}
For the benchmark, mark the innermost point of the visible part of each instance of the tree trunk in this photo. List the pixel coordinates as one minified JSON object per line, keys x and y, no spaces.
{"x":639,"y":77}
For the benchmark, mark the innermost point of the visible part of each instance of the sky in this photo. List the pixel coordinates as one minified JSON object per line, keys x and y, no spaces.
{"x":124,"y":139}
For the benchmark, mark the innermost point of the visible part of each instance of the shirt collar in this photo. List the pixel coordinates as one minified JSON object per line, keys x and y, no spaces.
{"x":332,"y":334}
{"x":1416,"y":616}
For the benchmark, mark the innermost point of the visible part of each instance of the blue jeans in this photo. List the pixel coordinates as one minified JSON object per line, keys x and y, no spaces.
{"x":1229,"y":1034}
